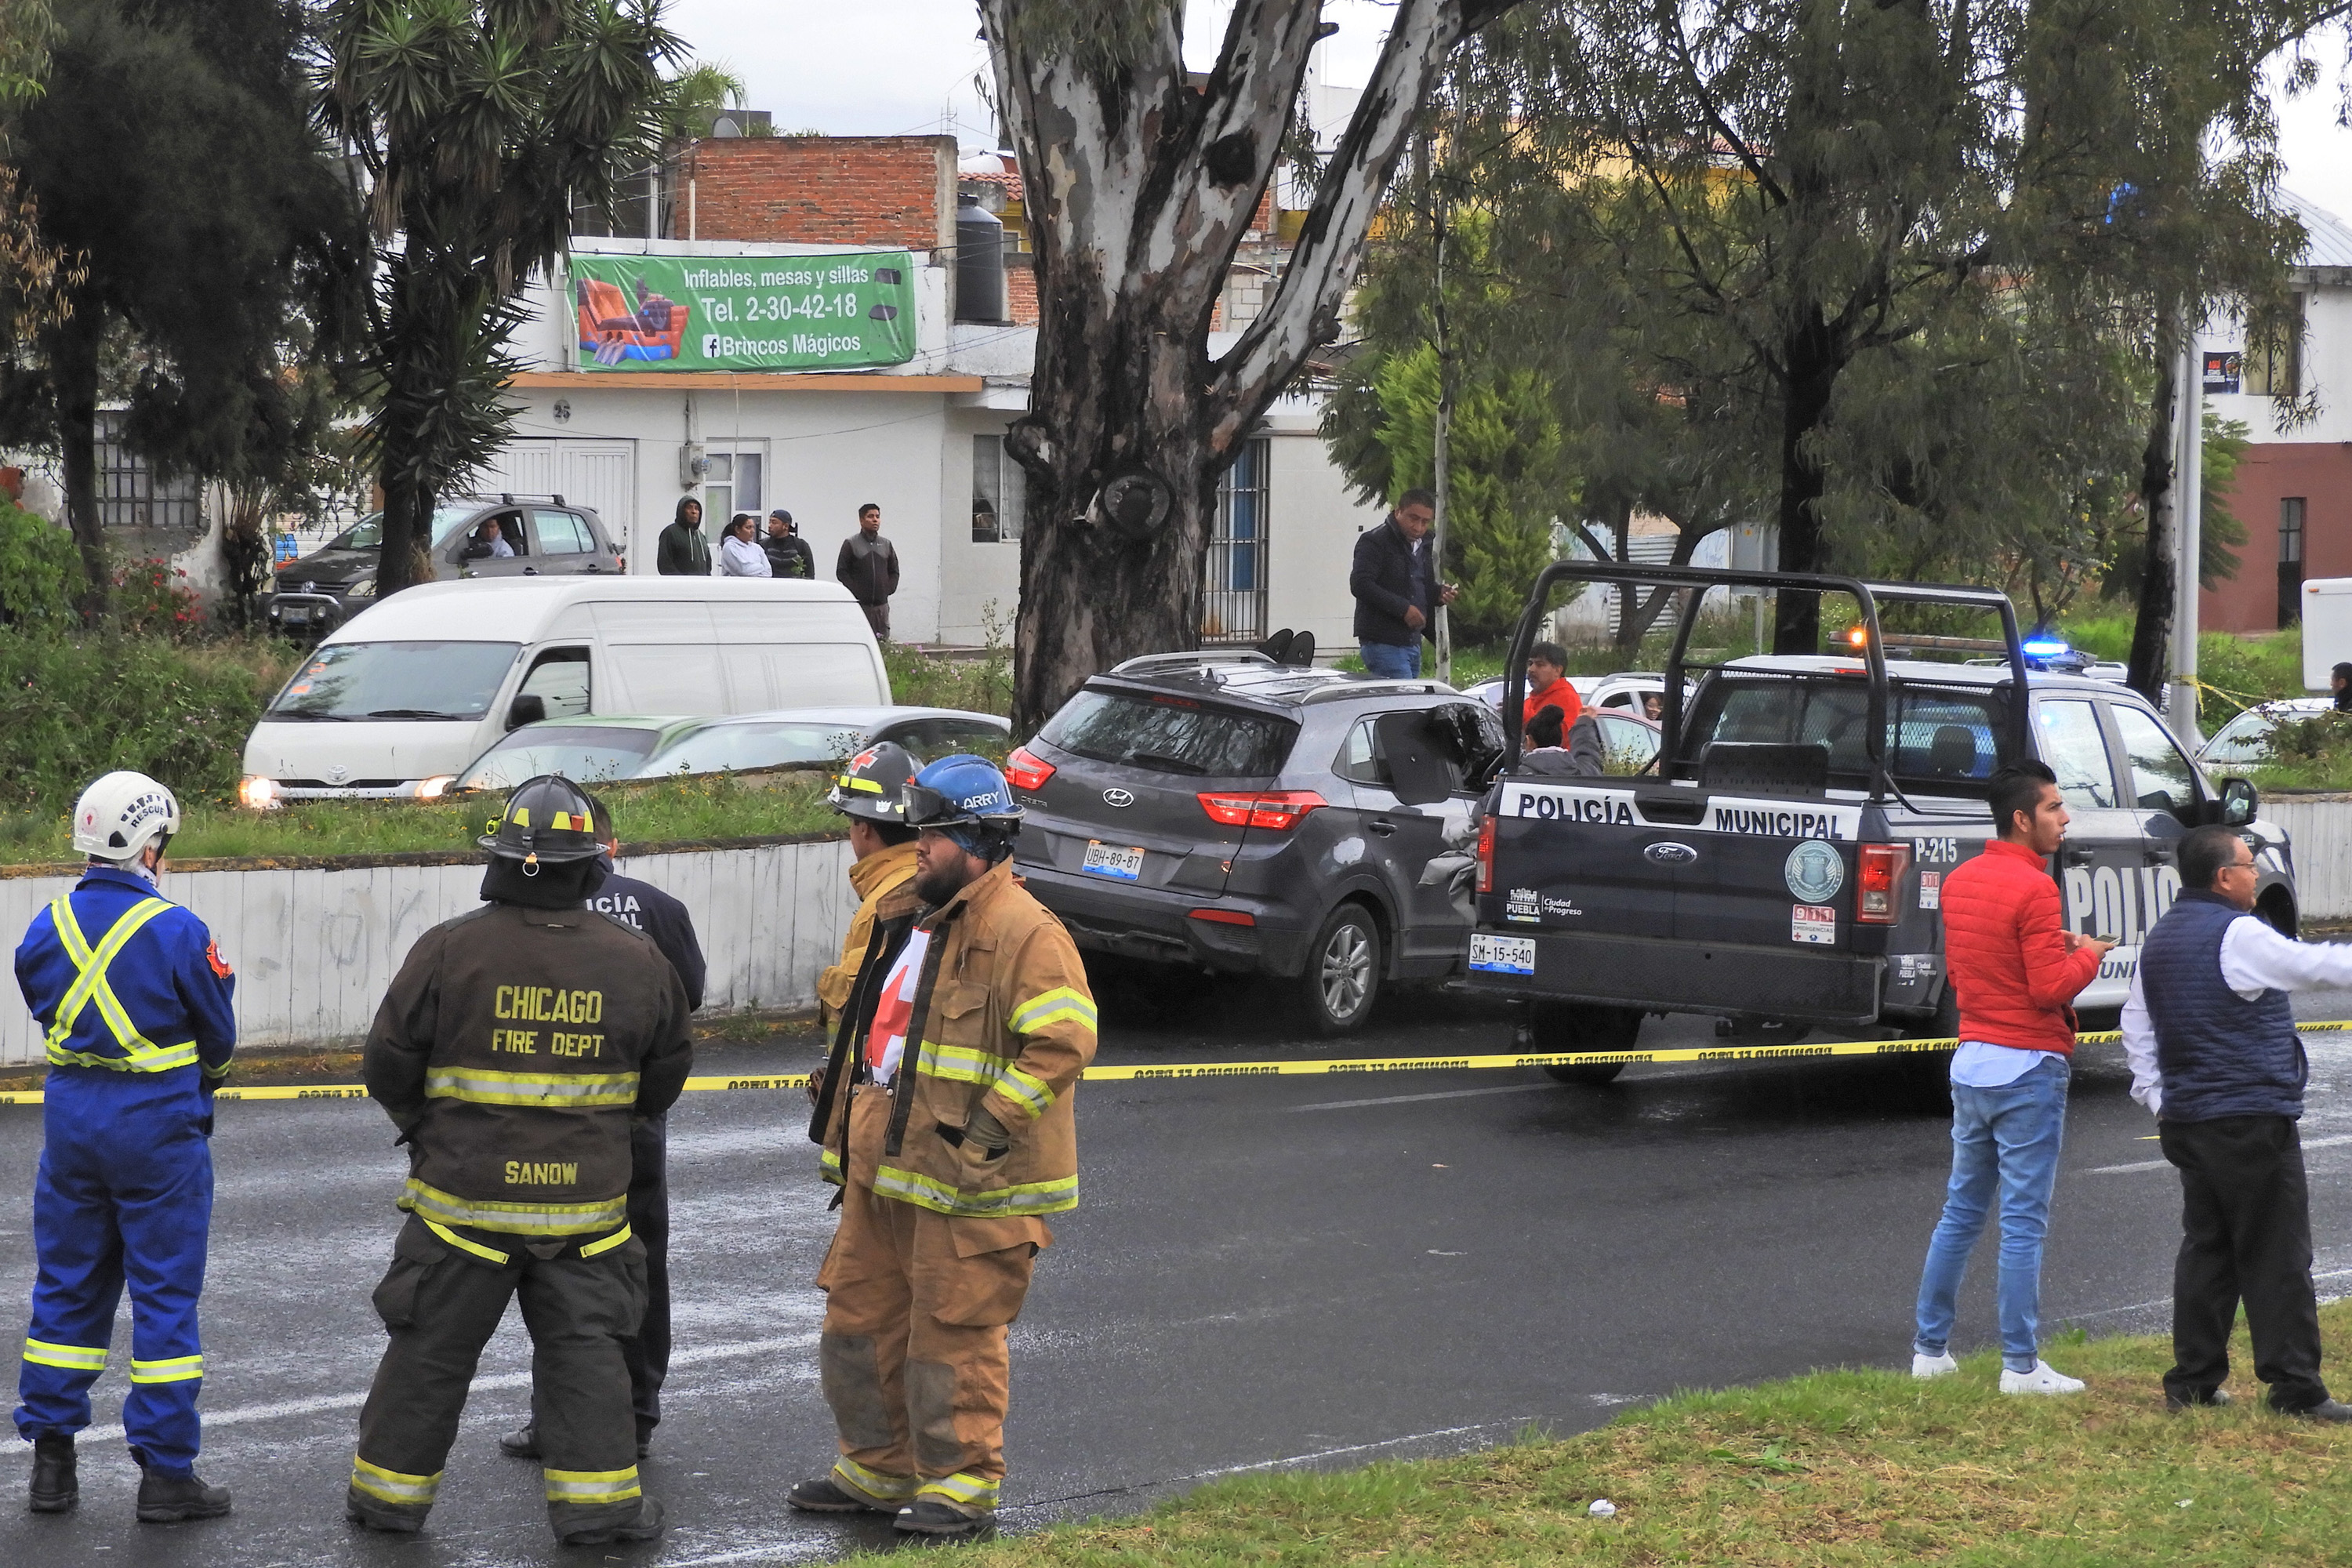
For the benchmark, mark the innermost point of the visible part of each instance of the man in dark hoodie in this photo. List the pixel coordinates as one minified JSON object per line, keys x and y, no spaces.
{"x":682,"y":552}
{"x":512,"y":1051}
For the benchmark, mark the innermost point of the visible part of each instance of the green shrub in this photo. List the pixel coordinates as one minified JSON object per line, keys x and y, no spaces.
{"x":40,"y":570}
{"x":151,"y":599}
{"x":80,"y":705}
{"x":920,"y":680}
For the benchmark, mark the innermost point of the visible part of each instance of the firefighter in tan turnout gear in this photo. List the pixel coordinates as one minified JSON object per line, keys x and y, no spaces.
{"x":515,"y":1046}
{"x":866,"y":793}
{"x":945,"y":1114}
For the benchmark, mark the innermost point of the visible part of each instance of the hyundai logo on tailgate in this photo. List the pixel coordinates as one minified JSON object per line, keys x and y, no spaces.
{"x":1119,"y":797}
{"x":1670,"y":854}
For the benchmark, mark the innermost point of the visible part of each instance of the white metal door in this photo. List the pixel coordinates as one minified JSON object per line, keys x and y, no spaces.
{"x":599,"y":474}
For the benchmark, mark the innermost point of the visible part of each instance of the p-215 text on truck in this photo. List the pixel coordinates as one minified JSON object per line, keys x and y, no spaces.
{"x":1780,"y":868}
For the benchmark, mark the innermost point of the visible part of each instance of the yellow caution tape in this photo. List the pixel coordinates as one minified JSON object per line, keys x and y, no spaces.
{"x":1312,"y":1066}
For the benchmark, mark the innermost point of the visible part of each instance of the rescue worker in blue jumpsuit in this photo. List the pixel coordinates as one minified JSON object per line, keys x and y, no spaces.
{"x":135,"y":999}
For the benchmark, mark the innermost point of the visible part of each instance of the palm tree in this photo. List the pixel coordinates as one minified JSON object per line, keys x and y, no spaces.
{"x":478,"y":124}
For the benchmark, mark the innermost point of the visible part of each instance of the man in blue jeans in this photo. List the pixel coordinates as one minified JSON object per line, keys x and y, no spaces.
{"x":1396,"y":588}
{"x":2016,"y":970}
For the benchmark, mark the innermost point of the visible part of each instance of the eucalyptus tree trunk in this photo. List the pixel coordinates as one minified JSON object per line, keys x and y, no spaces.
{"x":1138,"y":189}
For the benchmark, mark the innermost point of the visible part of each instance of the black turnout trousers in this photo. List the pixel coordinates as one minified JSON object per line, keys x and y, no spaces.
{"x":2245,"y":1221}
{"x":648,"y":1353}
{"x":441,"y":1302}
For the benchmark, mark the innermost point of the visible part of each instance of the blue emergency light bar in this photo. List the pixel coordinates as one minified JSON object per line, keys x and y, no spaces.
{"x":2045,"y":647}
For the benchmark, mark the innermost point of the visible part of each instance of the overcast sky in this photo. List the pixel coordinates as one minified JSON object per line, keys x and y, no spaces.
{"x":890,"y":68}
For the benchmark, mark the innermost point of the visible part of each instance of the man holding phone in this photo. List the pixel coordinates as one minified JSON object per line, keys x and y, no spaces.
{"x":2016,"y":971}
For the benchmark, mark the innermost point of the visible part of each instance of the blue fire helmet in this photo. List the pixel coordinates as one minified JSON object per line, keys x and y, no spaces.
{"x":965,"y":797}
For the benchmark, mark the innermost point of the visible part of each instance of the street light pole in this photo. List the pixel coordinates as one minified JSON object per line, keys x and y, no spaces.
{"x":2187,"y":490}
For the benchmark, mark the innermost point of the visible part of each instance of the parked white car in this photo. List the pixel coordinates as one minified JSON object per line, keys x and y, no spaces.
{"x":417,"y":685}
{"x":2245,"y":740}
{"x":596,"y":748}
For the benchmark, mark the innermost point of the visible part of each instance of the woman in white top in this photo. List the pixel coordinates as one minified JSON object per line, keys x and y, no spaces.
{"x":741,"y":555}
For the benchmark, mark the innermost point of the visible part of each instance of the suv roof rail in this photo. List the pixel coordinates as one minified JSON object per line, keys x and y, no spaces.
{"x":508,"y":498}
{"x":1346,"y":686}
{"x":1142,"y":662}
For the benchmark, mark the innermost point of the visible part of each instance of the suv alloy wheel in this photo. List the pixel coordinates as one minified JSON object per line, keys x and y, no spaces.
{"x":1343,"y":971}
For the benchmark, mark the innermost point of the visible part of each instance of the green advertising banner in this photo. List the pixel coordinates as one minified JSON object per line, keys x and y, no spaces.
{"x":744,"y":312}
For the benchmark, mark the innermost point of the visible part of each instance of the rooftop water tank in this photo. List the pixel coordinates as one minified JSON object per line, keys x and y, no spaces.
{"x":980,"y":262}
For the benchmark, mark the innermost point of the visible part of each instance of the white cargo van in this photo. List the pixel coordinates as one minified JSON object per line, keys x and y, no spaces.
{"x":419,"y":685}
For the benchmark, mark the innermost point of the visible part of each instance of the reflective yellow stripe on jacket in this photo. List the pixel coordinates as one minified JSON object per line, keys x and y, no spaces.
{"x":431,"y":1203}
{"x":962,"y":1064}
{"x":939,"y":1197}
{"x":140,"y":1054}
{"x":541,"y":1091}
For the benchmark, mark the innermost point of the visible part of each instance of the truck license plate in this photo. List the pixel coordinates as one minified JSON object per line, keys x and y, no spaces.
{"x":1110,"y":860}
{"x":1502,"y":954}
{"x":1813,"y":922}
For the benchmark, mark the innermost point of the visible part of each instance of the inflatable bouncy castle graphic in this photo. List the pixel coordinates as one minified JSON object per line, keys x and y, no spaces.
{"x":610,"y":332}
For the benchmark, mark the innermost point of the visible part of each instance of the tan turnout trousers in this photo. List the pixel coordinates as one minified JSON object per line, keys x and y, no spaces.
{"x":913,"y":1350}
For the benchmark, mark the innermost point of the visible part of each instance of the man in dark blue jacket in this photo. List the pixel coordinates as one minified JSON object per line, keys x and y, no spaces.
{"x":2214,"y":1053}
{"x":136,"y":1000}
{"x":664,"y":918}
{"x":1396,"y":588}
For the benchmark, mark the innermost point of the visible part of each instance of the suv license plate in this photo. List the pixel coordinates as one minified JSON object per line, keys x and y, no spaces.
{"x":299,"y":616}
{"x":1502,"y":954}
{"x":1110,"y":860}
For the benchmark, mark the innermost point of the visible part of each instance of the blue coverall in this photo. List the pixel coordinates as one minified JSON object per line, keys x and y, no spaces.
{"x":136,"y":1001}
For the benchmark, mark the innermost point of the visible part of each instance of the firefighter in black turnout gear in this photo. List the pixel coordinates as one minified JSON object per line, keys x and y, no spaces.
{"x":666,"y":920}
{"x":512,"y":1051}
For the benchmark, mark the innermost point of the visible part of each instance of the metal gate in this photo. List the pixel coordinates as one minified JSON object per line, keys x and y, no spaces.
{"x":1233,"y":597}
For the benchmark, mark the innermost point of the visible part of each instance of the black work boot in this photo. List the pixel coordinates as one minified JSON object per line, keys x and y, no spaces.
{"x":643,"y":1525}
{"x":55,"y":1487}
{"x":168,"y":1500}
{"x":826,"y":1494}
{"x":929,"y":1516}
{"x":522,"y":1445}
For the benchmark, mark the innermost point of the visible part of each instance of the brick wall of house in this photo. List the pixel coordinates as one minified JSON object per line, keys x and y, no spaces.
{"x":827,"y":190}
{"x":1021,"y":287}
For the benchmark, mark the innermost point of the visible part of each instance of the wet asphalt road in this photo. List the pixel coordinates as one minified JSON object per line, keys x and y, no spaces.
{"x":1315,"y":1270}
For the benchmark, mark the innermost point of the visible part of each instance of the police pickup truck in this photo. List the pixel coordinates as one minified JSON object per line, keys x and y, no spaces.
{"x":1780,"y":865}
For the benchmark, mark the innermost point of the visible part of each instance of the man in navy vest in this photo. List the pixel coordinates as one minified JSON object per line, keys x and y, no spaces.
{"x":2214,"y":1053}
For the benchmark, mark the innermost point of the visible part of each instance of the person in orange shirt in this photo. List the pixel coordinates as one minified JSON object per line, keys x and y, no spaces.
{"x":1548,"y":686}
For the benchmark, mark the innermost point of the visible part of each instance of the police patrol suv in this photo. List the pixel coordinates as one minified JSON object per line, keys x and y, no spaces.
{"x":1780,"y":865}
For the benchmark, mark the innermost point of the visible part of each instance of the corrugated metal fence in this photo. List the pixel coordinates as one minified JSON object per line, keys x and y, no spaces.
{"x":315,"y":950}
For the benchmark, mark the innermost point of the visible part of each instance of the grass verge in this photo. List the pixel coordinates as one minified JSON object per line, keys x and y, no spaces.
{"x":686,"y":810}
{"x":1837,"y":1468}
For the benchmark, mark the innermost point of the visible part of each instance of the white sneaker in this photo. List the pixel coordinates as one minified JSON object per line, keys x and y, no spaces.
{"x":1924,"y":1366}
{"x":2043,"y":1379}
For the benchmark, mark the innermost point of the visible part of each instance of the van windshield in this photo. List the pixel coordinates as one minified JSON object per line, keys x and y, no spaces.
{"x":418,"y":680}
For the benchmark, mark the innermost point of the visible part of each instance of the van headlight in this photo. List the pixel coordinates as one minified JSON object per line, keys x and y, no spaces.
{"x":257,"y":794}
{"x":435,"y":787}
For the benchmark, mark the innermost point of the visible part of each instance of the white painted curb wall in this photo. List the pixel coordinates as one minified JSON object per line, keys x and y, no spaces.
{"x":2320,"y":828}
{"x":315,"y":951}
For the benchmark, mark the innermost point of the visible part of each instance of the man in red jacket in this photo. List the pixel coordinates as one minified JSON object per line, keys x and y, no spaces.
{"x":2016,"y":970}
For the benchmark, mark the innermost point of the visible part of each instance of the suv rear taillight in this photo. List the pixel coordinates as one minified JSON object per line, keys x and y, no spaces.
{"x":1883,"y":866}
{"x":1486,"y":855}
{"x":1277,"y":811}
{"x":1026,"y":770}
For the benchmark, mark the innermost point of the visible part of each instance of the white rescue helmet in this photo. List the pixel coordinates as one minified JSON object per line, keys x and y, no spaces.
{"x":123,"y":814}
